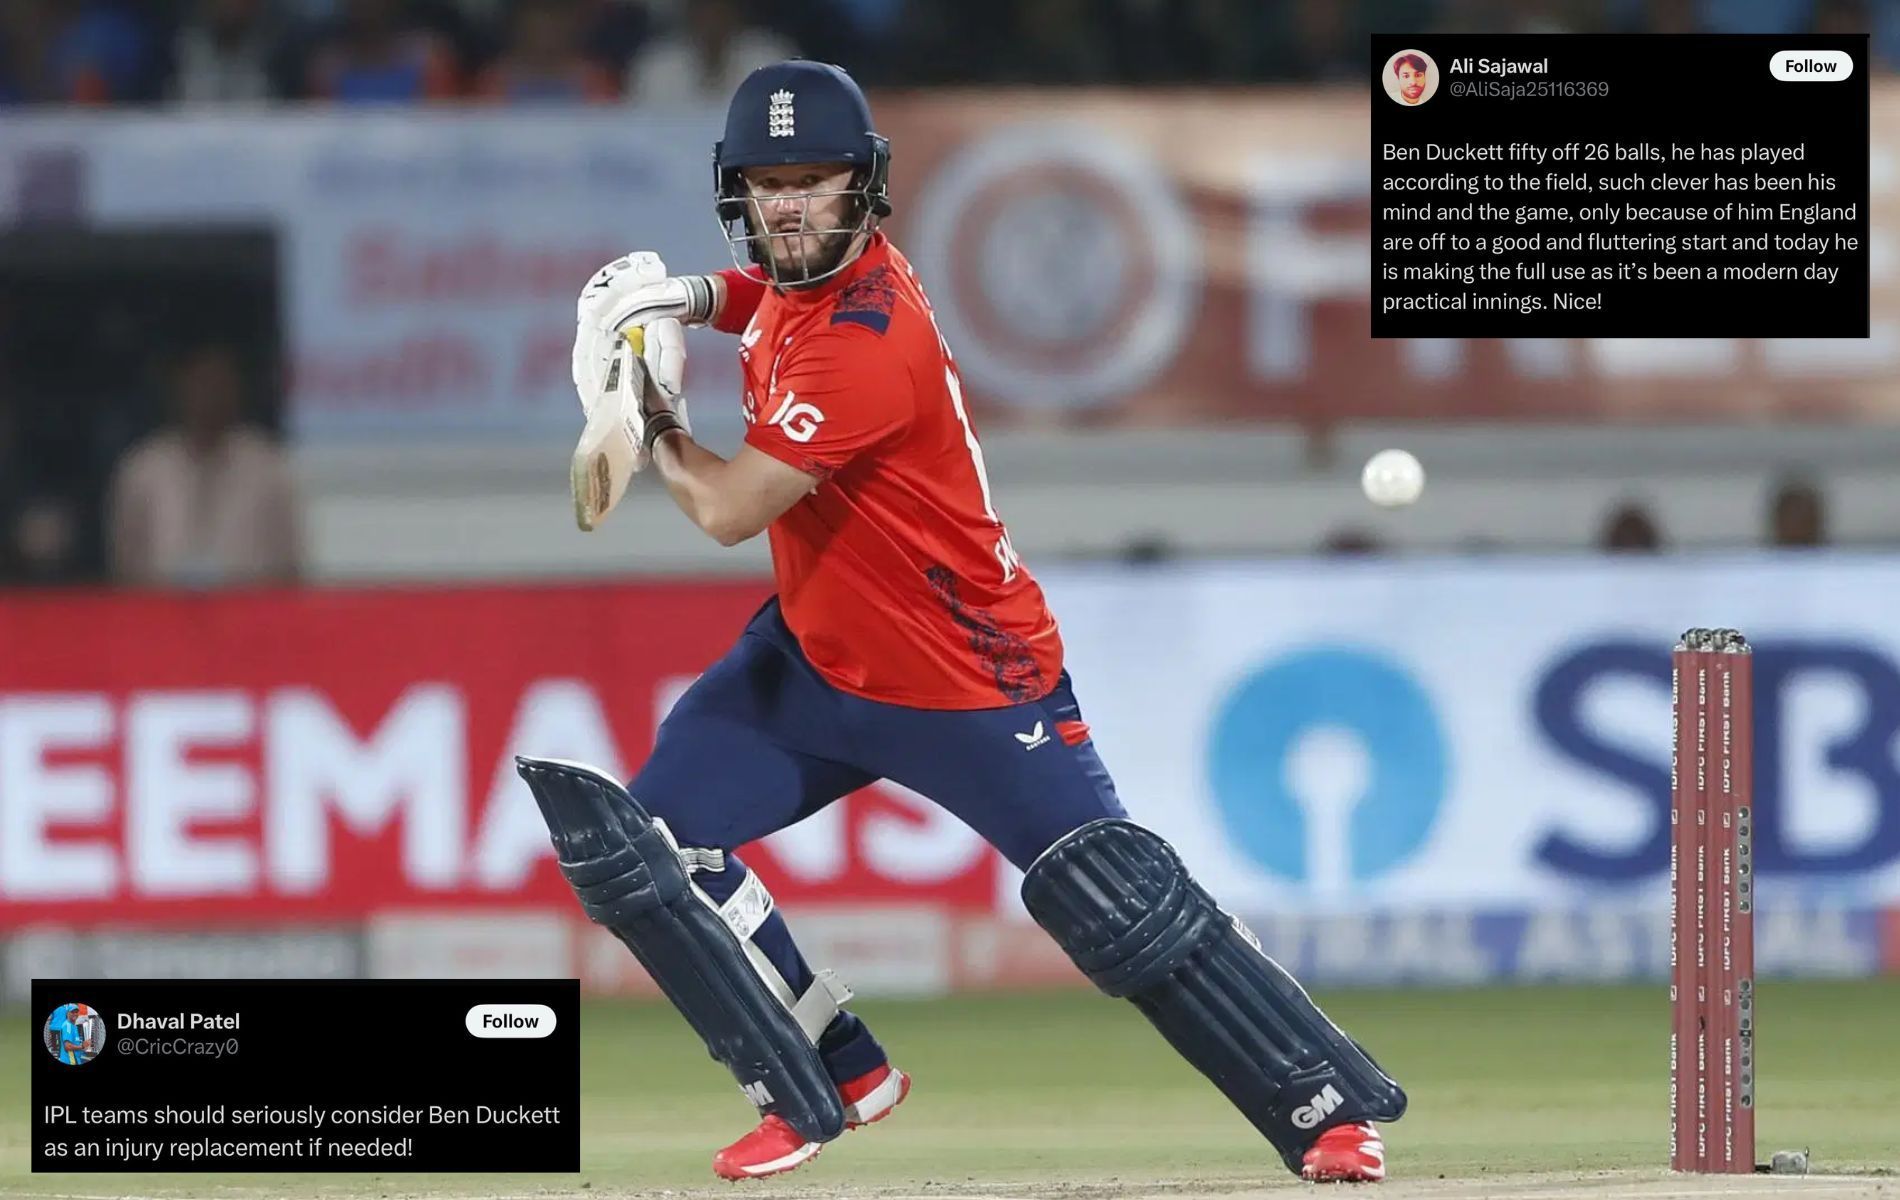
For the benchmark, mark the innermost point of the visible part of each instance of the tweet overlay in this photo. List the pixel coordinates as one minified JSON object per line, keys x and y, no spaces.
{"x":371,"y":1075}
{"x":1619,"y":186}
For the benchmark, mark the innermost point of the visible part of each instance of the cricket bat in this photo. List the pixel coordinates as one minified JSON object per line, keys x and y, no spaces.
{"x":609,"y":452}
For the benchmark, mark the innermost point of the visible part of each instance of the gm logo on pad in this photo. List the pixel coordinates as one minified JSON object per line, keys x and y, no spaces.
{"x":1328,"y":766}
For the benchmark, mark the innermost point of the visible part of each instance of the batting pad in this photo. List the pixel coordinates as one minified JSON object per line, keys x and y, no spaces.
{"x":631,"y":878}
{"x":1119,"y":902}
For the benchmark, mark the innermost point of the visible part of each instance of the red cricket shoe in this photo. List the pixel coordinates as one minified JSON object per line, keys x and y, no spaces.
{"x":1345,"y":1154}
{"x":775,"y":1147}
{"x":870,"y":1097}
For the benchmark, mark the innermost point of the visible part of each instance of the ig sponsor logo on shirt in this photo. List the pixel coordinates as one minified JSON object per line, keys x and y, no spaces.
{"x":798,"y":419}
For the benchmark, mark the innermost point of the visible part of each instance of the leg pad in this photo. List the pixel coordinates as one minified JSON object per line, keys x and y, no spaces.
{"x":631,"y":878}
{"x":1118,"y":900}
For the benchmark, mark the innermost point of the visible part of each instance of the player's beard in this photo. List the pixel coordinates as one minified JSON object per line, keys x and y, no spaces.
{"x":793,"y":263}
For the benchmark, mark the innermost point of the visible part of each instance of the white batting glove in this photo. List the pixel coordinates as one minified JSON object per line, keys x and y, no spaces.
{"x":630,"y":293}
{"x":663,"y":362}
{"x":664,"y":356}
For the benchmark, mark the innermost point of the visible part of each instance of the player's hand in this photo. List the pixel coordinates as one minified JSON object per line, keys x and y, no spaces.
{"x":630,"y":293}
{"x":636,"y":291}
{"x":663,"y":357}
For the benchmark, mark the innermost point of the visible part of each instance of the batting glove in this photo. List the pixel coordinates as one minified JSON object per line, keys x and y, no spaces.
{"x":632,"y":293}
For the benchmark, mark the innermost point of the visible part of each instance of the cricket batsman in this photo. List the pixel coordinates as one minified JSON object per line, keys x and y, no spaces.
{"x":906,"y":641}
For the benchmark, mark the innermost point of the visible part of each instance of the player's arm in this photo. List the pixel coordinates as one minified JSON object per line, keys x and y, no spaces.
{"x":838,"y":394}
{"x":732,"y":500}
{"x":736,"y":296}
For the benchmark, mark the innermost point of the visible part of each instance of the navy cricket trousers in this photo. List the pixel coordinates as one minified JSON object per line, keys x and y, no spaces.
{"x":762,"y":741}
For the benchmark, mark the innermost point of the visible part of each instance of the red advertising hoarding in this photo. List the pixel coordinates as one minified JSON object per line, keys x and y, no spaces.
{"x":1108,"y":257}
{"x":327,"y":755}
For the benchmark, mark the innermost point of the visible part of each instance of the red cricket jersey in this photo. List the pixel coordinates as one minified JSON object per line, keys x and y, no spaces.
{"x":895,"y":574}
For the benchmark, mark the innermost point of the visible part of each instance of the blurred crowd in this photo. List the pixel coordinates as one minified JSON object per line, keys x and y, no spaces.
{"x":196,"y":494}
{"x":661,"y":51}
{"x":1794,"y":518}
{"x":175,"y":476}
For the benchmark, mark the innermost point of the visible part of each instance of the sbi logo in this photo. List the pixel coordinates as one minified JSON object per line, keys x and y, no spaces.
{"x":1852,"y":754}
{"x":1328,"y":766}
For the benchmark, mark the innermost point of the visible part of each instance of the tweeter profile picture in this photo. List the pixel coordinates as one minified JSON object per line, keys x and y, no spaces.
{"x":1410,"y":77}
{"x":74,"y":1034}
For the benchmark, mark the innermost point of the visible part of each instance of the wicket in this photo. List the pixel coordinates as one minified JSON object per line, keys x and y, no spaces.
{"x":1712,"y":925}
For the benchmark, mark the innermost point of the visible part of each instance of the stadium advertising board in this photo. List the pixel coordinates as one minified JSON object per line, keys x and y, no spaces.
{"x":1460,"y":768}
{"x":327,"y":755}
{"x":1128,"y":258}
{"x":1339,"y":736}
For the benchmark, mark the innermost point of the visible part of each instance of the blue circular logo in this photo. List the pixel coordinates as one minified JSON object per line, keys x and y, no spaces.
{"x":1328,"y":765}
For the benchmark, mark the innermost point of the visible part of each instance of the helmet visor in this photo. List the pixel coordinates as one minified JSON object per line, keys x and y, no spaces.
{"x":800,"y":237}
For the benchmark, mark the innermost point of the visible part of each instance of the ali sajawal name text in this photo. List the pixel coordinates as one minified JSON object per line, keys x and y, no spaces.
{"x":1498,"y":66}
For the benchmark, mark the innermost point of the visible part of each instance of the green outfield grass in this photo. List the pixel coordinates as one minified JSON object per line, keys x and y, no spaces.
{"x":1075,"y":1087}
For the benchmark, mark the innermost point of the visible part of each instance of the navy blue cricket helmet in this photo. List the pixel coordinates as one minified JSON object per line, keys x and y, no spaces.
{"x":799,"y":111}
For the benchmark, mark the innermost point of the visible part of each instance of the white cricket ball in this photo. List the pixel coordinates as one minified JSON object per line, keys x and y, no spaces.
{"x":1392,"y":478}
